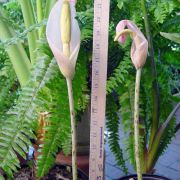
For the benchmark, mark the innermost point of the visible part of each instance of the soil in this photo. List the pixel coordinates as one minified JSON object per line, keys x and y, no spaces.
{"x":58,"y":172}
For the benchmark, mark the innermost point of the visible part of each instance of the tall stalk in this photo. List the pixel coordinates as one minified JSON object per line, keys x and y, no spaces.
{"x":155,"y":89}
{"x":16,"y":53}
{"x":73,"y":128}
{"x":136,"y":124}
{"x":66,"y":39}
{"x":29,"y":20}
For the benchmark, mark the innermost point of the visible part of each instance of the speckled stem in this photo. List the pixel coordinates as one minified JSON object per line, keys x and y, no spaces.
{"x":73,"y":128}
{"x":136,"y":124}
{"x":66,"y":51}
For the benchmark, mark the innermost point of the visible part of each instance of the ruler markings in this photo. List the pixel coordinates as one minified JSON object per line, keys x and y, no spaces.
{"x":98,"y":100}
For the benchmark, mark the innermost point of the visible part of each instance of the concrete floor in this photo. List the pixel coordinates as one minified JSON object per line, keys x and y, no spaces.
{"x":168,"y":164}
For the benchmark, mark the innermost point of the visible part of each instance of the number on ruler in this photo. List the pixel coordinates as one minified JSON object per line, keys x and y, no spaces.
{"x":98,"y":96}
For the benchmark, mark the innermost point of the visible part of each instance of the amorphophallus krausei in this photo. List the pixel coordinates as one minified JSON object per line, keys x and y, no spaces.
{"x":63,"y":35}
{"x":139,"y":51}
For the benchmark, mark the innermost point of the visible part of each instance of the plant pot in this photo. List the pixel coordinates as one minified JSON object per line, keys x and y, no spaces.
{"x":82,"y":161}
{"x":145,"y":177}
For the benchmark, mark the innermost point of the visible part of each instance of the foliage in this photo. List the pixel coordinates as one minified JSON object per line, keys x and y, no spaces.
{"x":45,"y":82}
{"x":46,"y":88}
{"x":8,"y":83}
{"x":58,"y":130}
{"x":14,"y":137}
{"x":122,"y":82}
{"x":113,"y":127}
{"x":172,"y":36}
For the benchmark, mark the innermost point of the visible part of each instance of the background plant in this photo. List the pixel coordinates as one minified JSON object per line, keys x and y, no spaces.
{"x":43,"y":87}
{"x":158,"y":75}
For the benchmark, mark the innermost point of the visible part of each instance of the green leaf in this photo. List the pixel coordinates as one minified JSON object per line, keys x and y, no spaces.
{"x":120,"y":4}
{"x":171,"y":36}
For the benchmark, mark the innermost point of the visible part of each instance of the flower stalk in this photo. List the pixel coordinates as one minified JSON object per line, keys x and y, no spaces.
{"x":139,"y":50}
{"x":63,"y":35}
{"x":73,"y":128}
{"x":65,"y":26}
{"x":136,"y":124}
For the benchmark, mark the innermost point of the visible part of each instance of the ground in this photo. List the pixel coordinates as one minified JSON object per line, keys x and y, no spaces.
{"x":168,"y":164}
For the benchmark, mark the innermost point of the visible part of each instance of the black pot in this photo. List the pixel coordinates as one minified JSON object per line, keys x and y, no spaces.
{"x":145,"y":177}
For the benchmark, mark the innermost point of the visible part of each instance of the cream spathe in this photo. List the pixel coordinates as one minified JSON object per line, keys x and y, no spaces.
{"x":53,"y":33}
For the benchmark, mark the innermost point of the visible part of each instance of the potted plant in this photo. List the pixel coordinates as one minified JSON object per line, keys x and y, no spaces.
{"x":156,"y":128}
{"x":139,"y":50}
{"x":65,"y":43}
{"x":138,"y":59}
{"x":43,"y":89}
{"x":40,"y":84}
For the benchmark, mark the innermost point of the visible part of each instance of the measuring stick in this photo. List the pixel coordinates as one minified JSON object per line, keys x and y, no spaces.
{"x":98,"y":95}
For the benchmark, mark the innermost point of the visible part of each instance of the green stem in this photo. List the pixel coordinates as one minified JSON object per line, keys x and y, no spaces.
{"x":16,"y":53}
{"x":39,"y":16}
{"x":73,"y":128}
{"x":29,"y":20}
{"x":155,"y":89}
{"x":136,"y":124}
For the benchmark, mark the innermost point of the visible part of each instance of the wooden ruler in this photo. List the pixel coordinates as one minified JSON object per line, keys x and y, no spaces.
{"x":98,"y":95}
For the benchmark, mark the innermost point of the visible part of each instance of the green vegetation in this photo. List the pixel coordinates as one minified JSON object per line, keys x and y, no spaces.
{"x":30,"y":82}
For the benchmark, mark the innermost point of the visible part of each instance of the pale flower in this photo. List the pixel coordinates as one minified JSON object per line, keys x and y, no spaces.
{"x":53,"y":33}
{"x":139,"y":47}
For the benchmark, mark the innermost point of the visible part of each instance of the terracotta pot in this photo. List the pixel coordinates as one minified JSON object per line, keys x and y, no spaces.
{"x":82,"y":161}
{"x":145,"y":177}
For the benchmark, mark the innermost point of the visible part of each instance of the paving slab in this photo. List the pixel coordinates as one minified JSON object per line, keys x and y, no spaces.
{"x":108,"y":178}
{"x":168,"y":164}
{"x":113,"y":172}
{"x":169,"y":158}
{"x":176,"y":166}
{"x":168,"y":172}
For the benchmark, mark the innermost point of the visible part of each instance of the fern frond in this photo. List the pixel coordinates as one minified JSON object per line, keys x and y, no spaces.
{"x":58,"y":134}
{"x":8,"y":91}
{"x":119,"y":74}
{"x":17,"y":128}
{"x":23,"y":35}
{"x":162,"y":9}
{"x":59,"y":125}
{"x":112,"y":124}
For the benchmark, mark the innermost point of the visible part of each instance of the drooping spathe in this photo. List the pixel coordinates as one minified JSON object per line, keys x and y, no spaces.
{"x":139,"y":47}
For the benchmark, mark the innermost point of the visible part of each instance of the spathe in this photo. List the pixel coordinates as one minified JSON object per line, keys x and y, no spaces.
{"x":53,"y":33}
{"x":139,"y":47}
